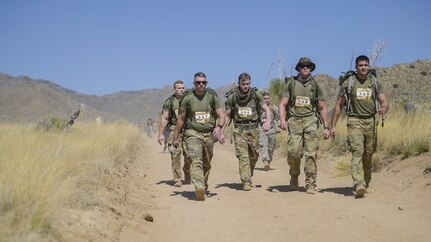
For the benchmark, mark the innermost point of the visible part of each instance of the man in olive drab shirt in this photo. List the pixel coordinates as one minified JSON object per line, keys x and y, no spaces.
{"x":303,"y":97}
{"x":245,"y":103}
{"x":202,"y":117}
{"x":168,"y":121}
{"x":361,"y":121}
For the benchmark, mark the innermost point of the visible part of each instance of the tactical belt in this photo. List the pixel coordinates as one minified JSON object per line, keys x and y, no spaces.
{"x":247,"y":124}
{"x":363,"y":117}
{"x":206,"y":131}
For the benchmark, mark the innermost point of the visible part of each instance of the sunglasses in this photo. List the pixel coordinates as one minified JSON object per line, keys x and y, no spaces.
{"x":201,"y":82}
{"x":305,"y":65}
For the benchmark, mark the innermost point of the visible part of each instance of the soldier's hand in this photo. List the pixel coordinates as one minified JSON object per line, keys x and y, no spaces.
{"x":333,"y":132}
{"x":266,"y":126}
{"x":381,"y":111}
{"x":221,"y":138}
{"x":175,"y":142}
{"x":161,"y":139}
{"x":283,"y":124}
{"x":326,"y":134}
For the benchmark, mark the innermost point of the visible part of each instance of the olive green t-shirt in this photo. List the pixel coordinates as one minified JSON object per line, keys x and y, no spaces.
{"x":363,"y":97}
{"x":200,"y":111}
{"x":172,"y":106}
{"x":248,"y":111}
{"x":301,"y":103}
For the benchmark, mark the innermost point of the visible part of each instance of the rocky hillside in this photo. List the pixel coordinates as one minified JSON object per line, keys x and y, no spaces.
{"x":23,"y":99}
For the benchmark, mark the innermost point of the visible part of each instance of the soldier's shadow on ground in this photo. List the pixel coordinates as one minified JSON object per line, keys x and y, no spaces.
{"x":346,"y":191}
{"x":190,"y":195}
{"x":262,"y":169}
{"x":283,"y":188}
{"x":167,"y":182}
{"x":234,"y":186}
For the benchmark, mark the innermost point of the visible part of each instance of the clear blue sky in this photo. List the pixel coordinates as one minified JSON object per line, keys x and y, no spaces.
{"x":104,"y":46}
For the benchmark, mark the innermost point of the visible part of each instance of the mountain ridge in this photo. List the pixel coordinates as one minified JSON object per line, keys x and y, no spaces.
{"x":23,"y":99}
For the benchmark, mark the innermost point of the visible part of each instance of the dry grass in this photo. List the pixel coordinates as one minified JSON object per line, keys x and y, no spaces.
{"x":41,"y":172}
{"x":403,"y":134}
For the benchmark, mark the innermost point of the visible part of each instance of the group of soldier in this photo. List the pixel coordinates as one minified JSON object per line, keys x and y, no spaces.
{"x":196,"y":121}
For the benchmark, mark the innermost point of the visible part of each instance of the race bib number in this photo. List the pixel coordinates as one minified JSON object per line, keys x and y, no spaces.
{"x":302,"y":102}
{"x":363,"y":94}
{"x":245,"y":112}
{"x":202,"y":117}
{"x":176,"y":113}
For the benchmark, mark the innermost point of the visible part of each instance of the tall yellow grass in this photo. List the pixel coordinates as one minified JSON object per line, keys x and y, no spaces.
{"x":404,"y":134}
{"x":41,"y":172}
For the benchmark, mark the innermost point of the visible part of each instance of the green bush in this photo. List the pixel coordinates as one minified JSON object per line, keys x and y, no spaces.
{"x":52,"y":123}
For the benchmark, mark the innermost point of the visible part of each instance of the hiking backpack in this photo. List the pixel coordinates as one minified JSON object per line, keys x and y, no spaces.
{"x":350,"y":77}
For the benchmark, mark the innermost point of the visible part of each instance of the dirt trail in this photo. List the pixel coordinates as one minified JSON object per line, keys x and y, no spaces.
{"x":399,"y":210}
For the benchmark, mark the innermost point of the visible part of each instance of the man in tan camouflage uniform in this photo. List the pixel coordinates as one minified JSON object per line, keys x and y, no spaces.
{"x":361,"y":121}
{"x":168,"y":121}
{"x":245,"y":105}
{"x":303,"y":97}
{"x":199,"y":111}
{"x":267,"y":140}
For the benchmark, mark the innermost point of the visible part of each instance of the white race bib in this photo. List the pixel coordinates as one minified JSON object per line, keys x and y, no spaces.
{"x":202,"y":117}
{"x":363,"y":94}
{"x":302,"y":102}
{"x":245,"y":112}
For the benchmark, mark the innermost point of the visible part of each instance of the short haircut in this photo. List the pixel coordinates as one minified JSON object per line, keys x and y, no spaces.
{"x":243,"y":76}
{"x":266,"y":94}
{"x":362,"y":58}
{"x":200,"y":74}
{"x":178,"y":82}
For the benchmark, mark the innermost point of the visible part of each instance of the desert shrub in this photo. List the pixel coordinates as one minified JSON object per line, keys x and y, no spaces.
{"x":52,"y":123}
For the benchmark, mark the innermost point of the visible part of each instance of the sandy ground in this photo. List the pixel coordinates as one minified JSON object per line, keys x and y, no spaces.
{"x":398,"y":210}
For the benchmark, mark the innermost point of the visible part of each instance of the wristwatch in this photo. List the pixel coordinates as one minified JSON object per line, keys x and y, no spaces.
{"x":326,"y":128}
{"x":219,"y":125}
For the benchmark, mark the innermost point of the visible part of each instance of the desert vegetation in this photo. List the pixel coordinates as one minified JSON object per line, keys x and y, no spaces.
{"x":42,"y":172}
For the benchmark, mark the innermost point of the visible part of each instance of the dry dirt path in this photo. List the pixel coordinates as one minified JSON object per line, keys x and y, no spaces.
{"x":270,"y":212}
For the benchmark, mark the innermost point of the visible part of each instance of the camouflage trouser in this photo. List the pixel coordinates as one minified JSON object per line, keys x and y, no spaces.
{"x":303,"y":140}
{"x":361,"y":140}
{"x":200,"y":151}
{"x":176,"y":158}
{"x":246,"y":150}
{"x":267,"y":143}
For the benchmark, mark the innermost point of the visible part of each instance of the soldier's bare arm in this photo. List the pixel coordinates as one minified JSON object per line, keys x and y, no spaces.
{"x":225,"y":124}
{"x":337,"y":111}
{"x":384,"y":104}
{"x":180,"y":123}
{"x":219,"y":126}
{"x":282,"y":112}
{"x":163,"y":122}
{"x":323,"y":110}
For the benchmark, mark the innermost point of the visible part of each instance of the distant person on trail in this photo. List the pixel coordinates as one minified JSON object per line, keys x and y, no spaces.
{"x":267,"y":140}
{"x":168,"y":122}
{"x":363,"y":96}
{"x":149,"y":127}
{"x":304,"y":106}
{"x":202,"y":117}
{"x":244,"y":106}
{"x":166,"y":132}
